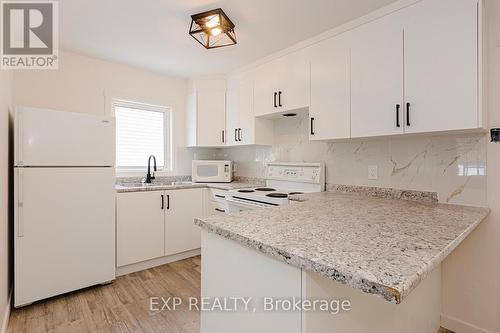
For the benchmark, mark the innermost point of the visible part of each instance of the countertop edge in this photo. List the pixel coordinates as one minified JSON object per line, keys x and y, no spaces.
{"x":440,"y":257}
{"x":388,"y":293}
{"x":221,"y":186}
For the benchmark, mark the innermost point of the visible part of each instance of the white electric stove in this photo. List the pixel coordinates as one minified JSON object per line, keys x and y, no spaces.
{"x":282,"y":180}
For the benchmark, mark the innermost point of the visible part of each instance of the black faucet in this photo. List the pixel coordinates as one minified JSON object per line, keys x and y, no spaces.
{"x":149,"y":176}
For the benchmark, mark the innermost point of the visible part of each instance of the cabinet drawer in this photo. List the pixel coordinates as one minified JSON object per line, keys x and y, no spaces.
{"x":217,"y":195}
{"x":216,"y":207}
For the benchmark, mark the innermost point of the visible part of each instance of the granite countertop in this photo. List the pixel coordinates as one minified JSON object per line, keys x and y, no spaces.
{"x":137,"y":187}
{"x":378,"y":245}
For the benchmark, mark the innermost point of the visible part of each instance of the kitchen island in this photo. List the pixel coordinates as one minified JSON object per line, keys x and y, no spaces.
{"x":334,"y":246}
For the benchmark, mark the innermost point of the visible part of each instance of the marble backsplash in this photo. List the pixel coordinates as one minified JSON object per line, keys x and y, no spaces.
{"x":454,"y":166}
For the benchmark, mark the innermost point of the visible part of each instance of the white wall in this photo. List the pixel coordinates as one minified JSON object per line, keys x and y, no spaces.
{"x":472,"y":273}
{"x":84,"y":84}
{"x":5,"y":103}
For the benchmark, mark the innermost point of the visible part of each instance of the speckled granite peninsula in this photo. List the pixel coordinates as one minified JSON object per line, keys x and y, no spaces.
{"x":380,"y":246}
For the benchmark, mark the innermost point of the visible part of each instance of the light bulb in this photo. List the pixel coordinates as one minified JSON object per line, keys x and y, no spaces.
{"x":215,"y":31}
{"x":213,"y":22}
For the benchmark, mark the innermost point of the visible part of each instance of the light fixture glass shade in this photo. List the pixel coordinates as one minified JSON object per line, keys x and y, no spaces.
{"x":212,"y":29}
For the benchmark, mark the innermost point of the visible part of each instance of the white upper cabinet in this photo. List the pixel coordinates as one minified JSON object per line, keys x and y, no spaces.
{"x":282,"y":85}
{"x":377,"y":78}
{"x":206,"y":114}
{"x":441,"y":65}
{"x":242,"y":127}
{"x":232,"y":114}
{"x":329,"y":112}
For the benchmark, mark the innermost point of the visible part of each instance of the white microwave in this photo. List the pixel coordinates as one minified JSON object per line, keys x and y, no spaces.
{"x":212,"y":171}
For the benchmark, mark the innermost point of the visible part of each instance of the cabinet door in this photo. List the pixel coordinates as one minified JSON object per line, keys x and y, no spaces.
{"x":181,"y":207}
{"x":293,"y":86}
{"x":211,"y":120}
{"x":265,"y":94}
{"x":191,"y":122}
{"x":441,"y":65}
{"x":247,"y":119}
{"x":139,"y":227}
{"x":232,"y":114}
{"x":330,"y":113}
{"x":377,"y":78}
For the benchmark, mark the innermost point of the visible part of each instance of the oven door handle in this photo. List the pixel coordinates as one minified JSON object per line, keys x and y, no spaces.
{"x":247,"y":204}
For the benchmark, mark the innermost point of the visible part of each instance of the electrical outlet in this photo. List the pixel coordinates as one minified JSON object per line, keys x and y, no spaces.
{"x":372,"y":172}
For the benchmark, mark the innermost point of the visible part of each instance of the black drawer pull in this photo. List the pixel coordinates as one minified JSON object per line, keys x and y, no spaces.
{"x":397,"y":115}
{"x":220,"y":210}
{"x":408,"y":114}
{"x":220,"y":196}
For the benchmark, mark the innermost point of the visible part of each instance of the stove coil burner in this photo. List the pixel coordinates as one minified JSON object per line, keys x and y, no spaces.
{"x":246,"y":191}
{"x":265,"y":189}
{"x":277,"y":195}
{"x":293,"y":193}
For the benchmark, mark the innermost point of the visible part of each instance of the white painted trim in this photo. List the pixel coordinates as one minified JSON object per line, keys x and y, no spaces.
{"x":457,"y":325}
{"x":372,"y":16}
{"x":6,"y":314}
{"x":140,"y":266}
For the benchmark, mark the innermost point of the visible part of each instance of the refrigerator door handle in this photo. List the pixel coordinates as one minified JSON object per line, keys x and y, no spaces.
{"x":19,"y":138}
{"x":20,"y":204}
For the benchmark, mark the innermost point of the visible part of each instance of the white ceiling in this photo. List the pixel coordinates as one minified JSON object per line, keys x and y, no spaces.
{"x":153,"y":34}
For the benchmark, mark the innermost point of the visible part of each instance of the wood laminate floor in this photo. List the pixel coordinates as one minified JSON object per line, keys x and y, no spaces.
{"x":122,"y":306}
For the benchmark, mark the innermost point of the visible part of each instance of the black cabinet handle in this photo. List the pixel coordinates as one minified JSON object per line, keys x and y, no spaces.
{"x":223,"y":139}
{"x":397,"y":115}
{"x":162,"y":202}
{"x":220,"y":196}
{"x":220,"y":210}
{"x":239,"y":134}
{"x":275,"y":100}
{"x":168,"y":201}
{"x":408,"y":114}
{"x":312,"y":126}
{"x":279,"y":99}
{"x":235,"y":135}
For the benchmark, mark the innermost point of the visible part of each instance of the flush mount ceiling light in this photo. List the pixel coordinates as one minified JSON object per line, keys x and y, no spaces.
{"x":212,"y":29}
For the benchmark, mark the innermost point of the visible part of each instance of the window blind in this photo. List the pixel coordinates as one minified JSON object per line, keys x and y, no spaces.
{"x":140,"y":132}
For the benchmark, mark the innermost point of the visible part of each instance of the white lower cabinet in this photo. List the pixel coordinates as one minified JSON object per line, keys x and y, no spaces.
{"x":155,"y":224}
{"x":181,"y":208}
{"x":215,"y":202}
{"x":139,"y":227}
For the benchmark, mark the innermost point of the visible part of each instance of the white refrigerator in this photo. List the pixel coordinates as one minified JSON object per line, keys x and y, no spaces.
{"x":64,"y":203}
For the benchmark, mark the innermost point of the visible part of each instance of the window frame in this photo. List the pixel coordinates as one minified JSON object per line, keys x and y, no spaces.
{"x":167,"y":134}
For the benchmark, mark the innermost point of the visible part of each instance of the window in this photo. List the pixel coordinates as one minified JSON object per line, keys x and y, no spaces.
{"x":141,"y":130}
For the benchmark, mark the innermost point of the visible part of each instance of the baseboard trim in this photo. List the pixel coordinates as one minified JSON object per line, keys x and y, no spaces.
{"x":6,"y":315}
{"x":460,"y":326}
{"x":140,"y":266}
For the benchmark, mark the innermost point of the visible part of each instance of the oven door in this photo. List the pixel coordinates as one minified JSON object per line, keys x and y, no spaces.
{"x":239,"y":205}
